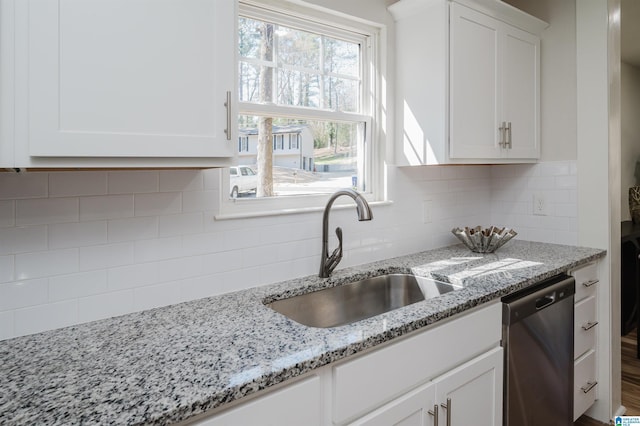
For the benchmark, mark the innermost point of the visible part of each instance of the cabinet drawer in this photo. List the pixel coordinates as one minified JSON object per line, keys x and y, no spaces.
{"x":296,"y":404}
{"x":375,"y":378}
{"x":584,"y":389}
{"x":585,"y":326}
{"x":586,"y":281}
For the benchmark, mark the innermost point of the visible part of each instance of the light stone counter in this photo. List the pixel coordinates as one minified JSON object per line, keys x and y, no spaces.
{"x":165,"y":365}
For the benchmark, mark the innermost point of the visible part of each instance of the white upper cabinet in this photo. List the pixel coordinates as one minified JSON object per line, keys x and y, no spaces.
{"x":467,"y":82}
{"x":124,"y":82}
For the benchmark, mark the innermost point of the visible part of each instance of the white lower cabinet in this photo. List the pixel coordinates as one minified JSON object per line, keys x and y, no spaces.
{"x":585,"y":375}
{"x":468,"y":395}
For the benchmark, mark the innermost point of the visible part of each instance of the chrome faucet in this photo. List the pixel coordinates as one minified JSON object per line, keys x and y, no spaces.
{"x":329,"y":262}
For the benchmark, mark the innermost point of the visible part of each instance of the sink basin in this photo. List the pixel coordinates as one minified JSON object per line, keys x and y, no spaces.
{"x":356,"y":301}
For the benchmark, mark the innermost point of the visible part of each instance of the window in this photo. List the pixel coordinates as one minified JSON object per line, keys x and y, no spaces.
{"x":243,"y":144}
{"x":278,"y":142}
{"x":306,"y":88}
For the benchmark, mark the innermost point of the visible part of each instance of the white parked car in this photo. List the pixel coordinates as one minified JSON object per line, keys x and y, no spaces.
{"x":242,"y":179}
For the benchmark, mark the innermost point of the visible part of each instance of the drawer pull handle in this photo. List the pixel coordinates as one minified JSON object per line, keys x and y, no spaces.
{"x":447,"y":407}
{"x":590,"y":385}
{"x":590,"y":283}
{"x":434,"y":413}
{"x":589,"y":325}
{"x":227,"y":104}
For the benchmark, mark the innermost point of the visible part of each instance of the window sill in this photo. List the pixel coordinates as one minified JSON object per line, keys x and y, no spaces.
{"x":297,"y":210}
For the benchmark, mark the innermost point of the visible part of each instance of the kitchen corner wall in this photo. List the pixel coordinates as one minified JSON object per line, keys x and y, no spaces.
{"x":82,"y":246}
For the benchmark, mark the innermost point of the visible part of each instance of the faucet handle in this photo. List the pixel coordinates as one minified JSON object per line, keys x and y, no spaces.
{"x":336,"y":256}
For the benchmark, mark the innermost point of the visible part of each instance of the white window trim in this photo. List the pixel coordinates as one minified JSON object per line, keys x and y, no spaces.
{"x":274,"y":10}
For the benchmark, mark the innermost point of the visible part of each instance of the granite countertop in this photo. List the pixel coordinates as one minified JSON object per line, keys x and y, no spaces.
{"x":165,"y":365}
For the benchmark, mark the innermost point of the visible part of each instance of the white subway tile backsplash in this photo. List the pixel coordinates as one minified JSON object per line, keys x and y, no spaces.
{"x":46,"y":263}
{"x":73,"y":286}
{"x":212,"y":178}
{"x":20,"y":294}
{"x":155,"y":296}
{"x":23,"y":185}
{"x":133,"y":182}
{"x":78,"y":234}
{"x":203,"y":243}
{"x":132,"y":228}
{"x":106,"y":256}
{"x":68,"y":184}
{"x":7,"y":213}
{"x":161,"y":203}
{"x":105,"y":305}
{"x":106,"y":207}
{"x":542,"y":182}
{"x":23,"y":239}
{"x":46,"y":210}
{"x":6,"y":269}
{"x":262,"y":255}
{"x":222,"y":262}
{"x":178,"y":224}
{"x":181,"y":180}
{"x":45,"y":317}
{"x":7,"y":325}
{"x":240,"y":238}
{"x":145,"y":274}
{"x":202,"y":286}
{"x":570,"y":182}
{"x":199,"y":201}
{"x":157,"y":249}
{"x":149,"y":239}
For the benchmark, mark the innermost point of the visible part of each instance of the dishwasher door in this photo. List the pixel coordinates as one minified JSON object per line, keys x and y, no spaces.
{"x":537,"y":336}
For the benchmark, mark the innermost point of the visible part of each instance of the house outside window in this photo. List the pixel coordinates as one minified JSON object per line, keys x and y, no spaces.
{"x":307,"y":86}
{"x":243,"y":144}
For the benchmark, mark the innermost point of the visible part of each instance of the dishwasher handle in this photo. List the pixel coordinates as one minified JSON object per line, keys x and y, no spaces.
{"x":521,"y":304}
{"x":545,"y":301}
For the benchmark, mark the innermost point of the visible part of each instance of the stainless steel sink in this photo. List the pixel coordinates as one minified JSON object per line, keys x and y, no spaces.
{"x":356,"y":301}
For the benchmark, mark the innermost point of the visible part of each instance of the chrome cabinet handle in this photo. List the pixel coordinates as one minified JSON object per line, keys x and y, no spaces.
{"x":507,"y":141}
{"x":447,"y":407}
{"x":434,"y":413}
{"x":227,"y":104}
{"x":590,"y":283}
{"x":503,"y":130}
{"x":590,"y":385}
{"x":589,"y":325}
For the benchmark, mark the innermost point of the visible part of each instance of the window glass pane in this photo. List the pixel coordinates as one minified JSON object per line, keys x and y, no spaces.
{"x":341,"y":57}
{"x":305,"y":69}
{"x":249,"y":82}
{"x":298,"y":48}
{"x":341,"y":94}
{"x":326,"y":156}
{"x":249,"y":37}
{"x":297,"y":88}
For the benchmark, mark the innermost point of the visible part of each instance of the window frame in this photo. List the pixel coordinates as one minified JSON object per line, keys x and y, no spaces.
{"x":369,"y":35}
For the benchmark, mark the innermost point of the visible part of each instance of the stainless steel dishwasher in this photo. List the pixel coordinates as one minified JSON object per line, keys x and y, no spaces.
{"x":537,"y":336}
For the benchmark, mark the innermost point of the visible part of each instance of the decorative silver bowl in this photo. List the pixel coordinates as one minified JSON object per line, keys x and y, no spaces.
{"x":485,"y":240}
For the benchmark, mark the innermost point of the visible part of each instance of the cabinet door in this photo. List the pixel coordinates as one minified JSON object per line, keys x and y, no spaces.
{"x":473,"y":392}
{"x":412,"y":409}
{"x":128,"y":78}
{"x":520,"y":91}
{"x":474,"y":85}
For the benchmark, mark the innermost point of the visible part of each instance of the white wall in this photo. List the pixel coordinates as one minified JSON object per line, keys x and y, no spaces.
{"x":630,"y":110}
